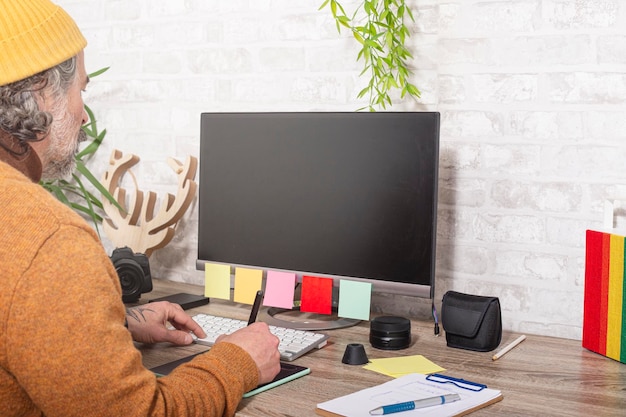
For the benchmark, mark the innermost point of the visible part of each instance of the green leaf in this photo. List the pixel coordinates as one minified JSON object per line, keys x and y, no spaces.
{"x":344,"y":21}
{"x":413,"y":90}
{"x":358,"y":37}
{"x":95,"y":217}
{"x":401,"y":12}
{"x":80,"y":167}
{"x":90,"y":209}
{"x":98,"y":72}
{"x":93,"y":145}
{"x":383,"y":36}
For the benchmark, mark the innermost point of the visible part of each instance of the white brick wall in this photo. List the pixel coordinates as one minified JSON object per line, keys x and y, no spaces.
{"x":533,"y":101}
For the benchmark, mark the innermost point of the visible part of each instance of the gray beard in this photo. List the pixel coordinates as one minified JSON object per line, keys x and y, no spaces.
{"x":63,"y":169}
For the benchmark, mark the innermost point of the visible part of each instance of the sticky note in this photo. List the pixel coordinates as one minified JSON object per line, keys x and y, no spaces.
{"x":402,"y":365}
{"x":354,"y":299}
{"x":279,"y":289}
{"x":317,"y":295}
{"x":217,"y":281}
{"x":247,"y":282}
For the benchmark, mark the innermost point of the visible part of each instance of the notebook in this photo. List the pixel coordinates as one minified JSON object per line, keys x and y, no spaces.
{"x":413,"y":387}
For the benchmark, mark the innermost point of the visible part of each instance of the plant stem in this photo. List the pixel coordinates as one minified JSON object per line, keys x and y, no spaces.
{"x":382,"y":36}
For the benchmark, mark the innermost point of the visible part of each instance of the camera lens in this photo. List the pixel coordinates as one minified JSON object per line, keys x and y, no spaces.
{"x":131,"y":278}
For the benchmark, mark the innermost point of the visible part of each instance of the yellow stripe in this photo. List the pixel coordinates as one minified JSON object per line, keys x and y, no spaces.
{"x":616,"y":283}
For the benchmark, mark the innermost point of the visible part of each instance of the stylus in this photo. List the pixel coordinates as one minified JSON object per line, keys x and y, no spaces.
{"x":255,"y":307}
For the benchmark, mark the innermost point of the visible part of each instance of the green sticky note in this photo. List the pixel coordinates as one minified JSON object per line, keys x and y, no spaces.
{"x":354,"y":299}
{"x":217,"y":281}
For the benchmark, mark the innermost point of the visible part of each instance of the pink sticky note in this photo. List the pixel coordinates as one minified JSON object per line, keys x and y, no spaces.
{"x":279,"y":289}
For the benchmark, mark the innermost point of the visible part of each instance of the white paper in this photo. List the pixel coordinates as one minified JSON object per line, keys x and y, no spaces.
{"x":410,"y":387}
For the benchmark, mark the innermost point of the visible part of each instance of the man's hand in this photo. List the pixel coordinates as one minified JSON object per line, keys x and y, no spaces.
{"x":148,"y":324}
{"x":262,"y":345}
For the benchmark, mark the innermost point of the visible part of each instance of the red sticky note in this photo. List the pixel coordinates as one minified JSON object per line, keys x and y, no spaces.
{"x":317,"y":295}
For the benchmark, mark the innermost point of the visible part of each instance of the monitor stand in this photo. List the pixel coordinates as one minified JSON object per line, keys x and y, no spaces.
{"x":295,"y":319}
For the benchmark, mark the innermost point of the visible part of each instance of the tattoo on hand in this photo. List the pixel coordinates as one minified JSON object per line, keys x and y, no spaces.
{"x":137,"y":313}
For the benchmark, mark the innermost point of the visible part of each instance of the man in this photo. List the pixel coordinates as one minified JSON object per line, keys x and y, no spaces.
{"x":64,"y":347}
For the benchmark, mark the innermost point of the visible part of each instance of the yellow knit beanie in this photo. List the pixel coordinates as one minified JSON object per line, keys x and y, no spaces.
{"x":35,"y":35}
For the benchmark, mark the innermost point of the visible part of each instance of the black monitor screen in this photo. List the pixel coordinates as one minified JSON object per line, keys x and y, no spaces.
{"x":345,"y":195}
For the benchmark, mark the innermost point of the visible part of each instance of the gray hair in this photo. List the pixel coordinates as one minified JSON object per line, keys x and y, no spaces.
{"x":19,"y":106}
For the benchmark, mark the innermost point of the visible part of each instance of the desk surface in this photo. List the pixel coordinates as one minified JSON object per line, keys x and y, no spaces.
{"x":541,"y":376}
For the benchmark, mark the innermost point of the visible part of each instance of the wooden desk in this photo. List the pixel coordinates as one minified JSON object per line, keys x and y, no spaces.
{"x":542,"y":376}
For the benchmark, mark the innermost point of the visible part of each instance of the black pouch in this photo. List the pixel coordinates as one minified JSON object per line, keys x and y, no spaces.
{"x":471,"y":322}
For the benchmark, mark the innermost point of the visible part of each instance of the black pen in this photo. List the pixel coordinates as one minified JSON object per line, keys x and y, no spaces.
{"x":255,"y":307}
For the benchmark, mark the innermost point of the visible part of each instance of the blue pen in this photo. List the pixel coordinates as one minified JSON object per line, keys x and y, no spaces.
{"x":412,"y":405}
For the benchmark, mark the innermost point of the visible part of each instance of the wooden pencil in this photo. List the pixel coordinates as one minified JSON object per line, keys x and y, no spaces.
{"x":510,"y":346}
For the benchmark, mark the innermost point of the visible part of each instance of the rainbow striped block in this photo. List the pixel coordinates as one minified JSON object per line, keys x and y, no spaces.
{"x":604,"y":320}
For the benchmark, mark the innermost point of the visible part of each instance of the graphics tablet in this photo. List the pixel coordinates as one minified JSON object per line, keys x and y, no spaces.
{"x":288,"y":372}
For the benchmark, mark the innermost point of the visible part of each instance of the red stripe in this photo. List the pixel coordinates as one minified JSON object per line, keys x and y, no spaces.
{"x":593,"y":289}
{"x":604,"y":292}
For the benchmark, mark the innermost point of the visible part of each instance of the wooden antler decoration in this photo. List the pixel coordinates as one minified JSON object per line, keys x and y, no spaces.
{"x":136,"y":225}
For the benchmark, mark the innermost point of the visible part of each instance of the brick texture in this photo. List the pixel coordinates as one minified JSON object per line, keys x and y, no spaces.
{"x":533,"y":101}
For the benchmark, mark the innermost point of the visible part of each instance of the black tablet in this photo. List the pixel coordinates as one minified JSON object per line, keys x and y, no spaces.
{"x":186,"y":301}
{"x":288,"y":372}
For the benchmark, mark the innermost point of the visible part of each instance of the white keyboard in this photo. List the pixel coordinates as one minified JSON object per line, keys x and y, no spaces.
{"x":293,"y":343}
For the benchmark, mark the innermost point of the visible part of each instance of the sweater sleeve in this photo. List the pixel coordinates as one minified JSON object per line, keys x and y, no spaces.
{"x":70,"y":351}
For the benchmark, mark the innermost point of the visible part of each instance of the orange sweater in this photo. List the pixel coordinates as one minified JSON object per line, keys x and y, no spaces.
{"x":64,"y":350}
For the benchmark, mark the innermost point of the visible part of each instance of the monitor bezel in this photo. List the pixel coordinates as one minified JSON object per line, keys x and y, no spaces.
{"x":378,"y":285}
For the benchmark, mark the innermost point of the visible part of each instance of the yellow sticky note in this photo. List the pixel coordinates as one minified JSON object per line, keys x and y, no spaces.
{"x":247,"y":283}
{"x":217,"y":281}
{"x":402,"y":365}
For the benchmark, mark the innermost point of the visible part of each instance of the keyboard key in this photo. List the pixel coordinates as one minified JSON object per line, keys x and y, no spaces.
{"x":293,"y":343}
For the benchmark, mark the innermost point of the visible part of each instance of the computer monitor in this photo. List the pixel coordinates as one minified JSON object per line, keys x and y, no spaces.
{"x":344,"y":195}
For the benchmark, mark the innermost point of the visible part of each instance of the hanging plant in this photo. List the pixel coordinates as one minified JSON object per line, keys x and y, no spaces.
{"x":379,"y":27}
{"x":74,"y":193}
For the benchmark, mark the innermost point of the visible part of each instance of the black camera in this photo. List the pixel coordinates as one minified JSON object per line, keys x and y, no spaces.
{"x":133,"y":269}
